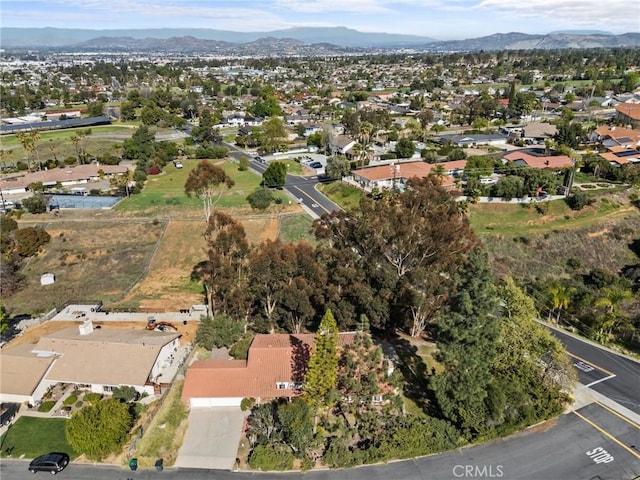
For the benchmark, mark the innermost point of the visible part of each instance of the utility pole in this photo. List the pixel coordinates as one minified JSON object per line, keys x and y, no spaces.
{"x":573,"y":172}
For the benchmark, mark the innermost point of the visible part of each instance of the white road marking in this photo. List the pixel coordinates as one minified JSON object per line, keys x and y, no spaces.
{"x":601,"y":380}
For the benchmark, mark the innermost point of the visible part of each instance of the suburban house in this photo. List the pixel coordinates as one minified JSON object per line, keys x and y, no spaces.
{"x":611,"y":136}
{"x":341,"y":144}
{"x":474,"y":140}
{"x":628,"y":113}
{"x":274,"y":369}
{"x":65,"y":176}
{"x":538,"y":131}
{"x":96,"y":359}
{"x":622,"y":144}
{"x":388,"y":176}
{"x":522,"y":158}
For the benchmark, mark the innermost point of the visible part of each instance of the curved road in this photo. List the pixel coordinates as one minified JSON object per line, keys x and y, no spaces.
{"x":302,"y":189}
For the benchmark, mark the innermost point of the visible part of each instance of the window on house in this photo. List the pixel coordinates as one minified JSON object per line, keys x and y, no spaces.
{"x":108,"y":388}
{"x":281,"y":385}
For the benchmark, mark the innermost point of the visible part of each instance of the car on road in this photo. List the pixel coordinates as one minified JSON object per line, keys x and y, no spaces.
{"x":177,"y":164}
{"x":9,"y":411}
{"x":260,"y":160}
{"x":53,"y":463}
{"x":315,"y":165}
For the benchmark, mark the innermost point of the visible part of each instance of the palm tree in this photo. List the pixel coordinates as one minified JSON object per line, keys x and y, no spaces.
{"x":561,"y":298}
{"x":612,"y":299}
{"x":26,"y":140}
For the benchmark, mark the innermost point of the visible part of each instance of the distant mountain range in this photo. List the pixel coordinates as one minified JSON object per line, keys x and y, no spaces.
{"x":523,"y":41}
{"x":293,"y":41}
{"x":339,"y":36}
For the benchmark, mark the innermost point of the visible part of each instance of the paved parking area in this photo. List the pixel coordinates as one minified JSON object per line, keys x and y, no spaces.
{"x":212,"y":438}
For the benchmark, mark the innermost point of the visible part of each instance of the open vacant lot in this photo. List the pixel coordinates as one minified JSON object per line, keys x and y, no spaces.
{"x":92,"y":259}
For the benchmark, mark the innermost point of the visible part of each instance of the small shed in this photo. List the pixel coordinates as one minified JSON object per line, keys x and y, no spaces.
{"x":47,"y":279}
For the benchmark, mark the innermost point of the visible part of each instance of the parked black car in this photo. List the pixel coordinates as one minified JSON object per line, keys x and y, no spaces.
{"x":53,"y":463}
{"x":9,"y":411}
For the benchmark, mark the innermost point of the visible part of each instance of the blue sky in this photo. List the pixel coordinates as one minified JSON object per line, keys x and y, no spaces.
{"x":441,"y":19}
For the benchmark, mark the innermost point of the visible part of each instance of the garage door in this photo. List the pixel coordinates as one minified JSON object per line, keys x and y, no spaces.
{"x":215,"y":402}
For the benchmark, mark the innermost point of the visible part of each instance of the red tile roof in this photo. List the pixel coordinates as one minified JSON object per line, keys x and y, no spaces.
{"x":407,"y":170}
{"x":631,"y":110}
{"x":269,"y":362}
{"x":556,"y":161}
{"x":605,"y":131}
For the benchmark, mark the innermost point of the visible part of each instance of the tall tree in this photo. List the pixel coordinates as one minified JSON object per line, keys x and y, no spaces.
{"x":321,"y":377}
{"x":531,"y":369}
{"x":275,"y":175}
{"x":204,"y":182}
{"x":224,"y":272}
{"x":467,"y":335}
{"x":362,"y":373}
{"x":271,"y":135}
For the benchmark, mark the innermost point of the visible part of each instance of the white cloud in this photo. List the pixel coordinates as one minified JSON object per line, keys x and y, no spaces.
{"x":605,"y":15}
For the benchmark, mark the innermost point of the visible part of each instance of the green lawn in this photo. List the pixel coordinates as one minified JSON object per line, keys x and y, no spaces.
{"x":32,"y":437}
{"x":346,"y":196}
{"x":12,"y":140}
{"x":166,"y":191}
{"x":294,"y":228}
{"x":517,"y":219}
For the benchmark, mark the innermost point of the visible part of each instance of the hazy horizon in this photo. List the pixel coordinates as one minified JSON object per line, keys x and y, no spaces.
{"x":440,"y":19}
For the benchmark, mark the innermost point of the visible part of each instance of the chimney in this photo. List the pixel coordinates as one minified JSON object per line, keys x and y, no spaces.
{"x":86,"y":327}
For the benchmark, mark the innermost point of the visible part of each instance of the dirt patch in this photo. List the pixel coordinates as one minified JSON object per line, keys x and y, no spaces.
{"x":599,"y":233}
{"x":33,"y":334}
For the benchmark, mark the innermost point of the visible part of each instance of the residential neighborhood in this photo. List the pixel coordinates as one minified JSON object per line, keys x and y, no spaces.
{"x":312,"y":262}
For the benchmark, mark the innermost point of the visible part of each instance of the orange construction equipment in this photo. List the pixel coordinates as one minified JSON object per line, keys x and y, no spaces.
{"x":152,"y":324}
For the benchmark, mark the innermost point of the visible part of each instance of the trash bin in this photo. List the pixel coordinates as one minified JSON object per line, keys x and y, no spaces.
{"x":159,"y":466}
{"x":133,"y":464}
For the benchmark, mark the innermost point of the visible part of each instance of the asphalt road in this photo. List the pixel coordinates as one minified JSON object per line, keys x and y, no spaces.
{"x":571,"y":449}
{"x":302,"y":189}
{"x":612,"y":375}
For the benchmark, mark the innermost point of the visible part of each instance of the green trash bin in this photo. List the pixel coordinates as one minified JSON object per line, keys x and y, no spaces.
{"x":133,"y":464}
{"x":159,"y":466}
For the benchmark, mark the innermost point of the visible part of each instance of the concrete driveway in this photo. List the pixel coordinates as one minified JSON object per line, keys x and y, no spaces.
{"x":212,"y":438}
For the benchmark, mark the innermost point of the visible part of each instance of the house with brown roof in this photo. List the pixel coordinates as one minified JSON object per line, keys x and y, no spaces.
{"x":274,"y":368}
{"x":96,"y":359}
{"x":628,"y":113}
{"x":388,"y":176}
{"x":80,"y":174}
{"x":521,"y":158}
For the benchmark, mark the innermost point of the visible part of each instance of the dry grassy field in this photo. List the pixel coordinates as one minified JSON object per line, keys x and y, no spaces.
{"x":124,"y":262}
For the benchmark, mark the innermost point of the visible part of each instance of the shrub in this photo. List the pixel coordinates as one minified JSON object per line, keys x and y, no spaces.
{"x":579,"y":200}
{"x":337,"y":454}
{"x":271,"y":457}
{"x":79,"y":404}
{"x":29,"y":240}
{"x":247,"y":403}
{"x":46,"y":406}
{"x":154,"y":170}
{"x":35,"y":204}
{"x":99,"y":430}
{"x":240,"y":349}
{"x":243,"y":164}
{"x":388,"y":156}
{"x":70,"y":400}
{"x":260,"y":199}
{"x":221,"y":331}
{"x":125,"y":393}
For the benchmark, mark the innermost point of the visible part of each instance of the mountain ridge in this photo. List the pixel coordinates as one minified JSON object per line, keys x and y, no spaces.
{"x":293,"y":40}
